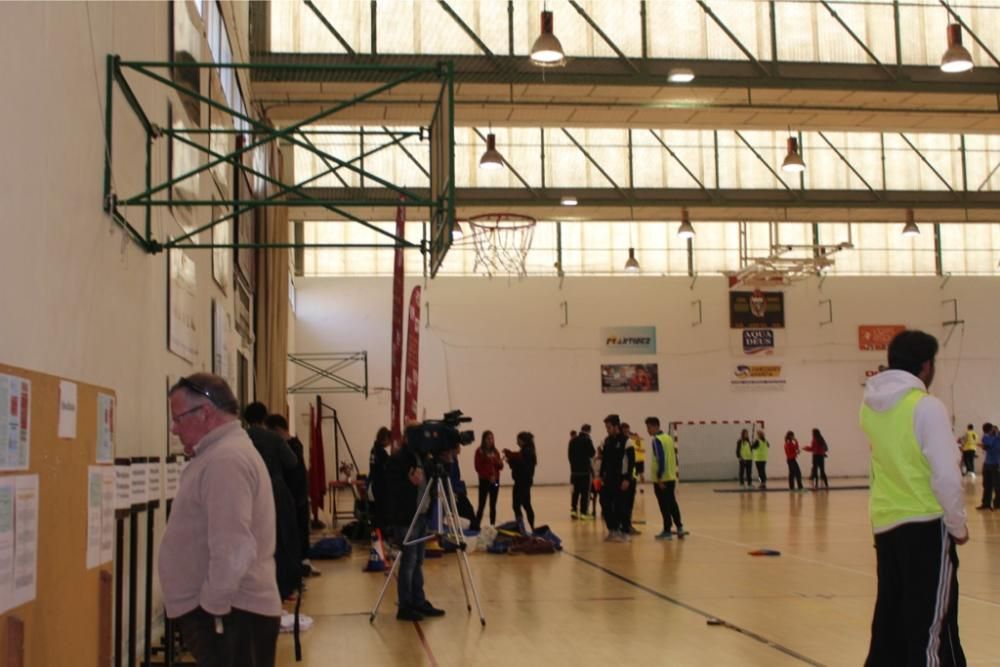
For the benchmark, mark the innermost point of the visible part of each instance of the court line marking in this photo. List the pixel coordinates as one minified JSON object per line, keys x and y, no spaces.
{"x":425,"y":644}
{"x":684,"y":605}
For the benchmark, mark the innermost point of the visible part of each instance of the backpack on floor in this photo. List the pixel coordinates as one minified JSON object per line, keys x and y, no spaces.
{"x":330,"y":548}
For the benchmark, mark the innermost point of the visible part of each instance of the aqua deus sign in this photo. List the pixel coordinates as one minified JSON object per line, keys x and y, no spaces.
{"x":628,"y":340}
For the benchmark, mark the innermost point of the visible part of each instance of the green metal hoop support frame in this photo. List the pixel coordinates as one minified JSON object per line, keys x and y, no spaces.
{"x":384,"y":78}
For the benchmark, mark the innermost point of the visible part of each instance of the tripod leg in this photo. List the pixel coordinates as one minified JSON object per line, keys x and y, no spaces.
{"x":385,"y":587}
{"x":446,"y":498}
{"x":464,"y":560}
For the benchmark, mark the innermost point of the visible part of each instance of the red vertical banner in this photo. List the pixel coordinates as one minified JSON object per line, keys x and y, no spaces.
{"x":317,"y":462}
{"x":397,"y":325}
{"x":412,"y":358}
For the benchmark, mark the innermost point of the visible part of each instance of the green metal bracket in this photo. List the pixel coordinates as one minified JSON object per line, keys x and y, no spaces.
{"x":261,"y":134}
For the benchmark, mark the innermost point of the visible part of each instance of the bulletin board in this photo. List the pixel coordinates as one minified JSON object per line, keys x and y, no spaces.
{"x":69,"y":620}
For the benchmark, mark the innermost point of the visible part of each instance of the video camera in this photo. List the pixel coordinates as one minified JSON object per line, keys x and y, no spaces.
{"x":435,"y":436}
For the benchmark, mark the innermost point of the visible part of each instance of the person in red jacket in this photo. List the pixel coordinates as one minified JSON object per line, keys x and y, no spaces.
{"x":488,"y":467}
{"x":819,"y":450}
{"x":791,"y":453}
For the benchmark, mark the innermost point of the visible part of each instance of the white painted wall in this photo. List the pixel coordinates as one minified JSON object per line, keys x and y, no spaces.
{"x":78,"y":301}
{"x":497,"y":350}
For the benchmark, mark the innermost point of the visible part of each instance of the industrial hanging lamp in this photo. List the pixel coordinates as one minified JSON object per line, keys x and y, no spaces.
{"x":956,"y":58}
{"x":631,"y":264}
{"x":491,"y":158}
{"x":793,"y":160}
{"x":568,"y":200}
{"x":547,"y":51}
{"x":685,"y":231}
{"x":910,"y":229}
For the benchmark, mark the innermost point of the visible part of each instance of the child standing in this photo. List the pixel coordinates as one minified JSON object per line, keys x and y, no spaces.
{"x":744,"y":454}
{"x":791,"y":454}
{"x":522,"y":469}
{"x":968,"y":443}
{"x":760,"y":447}
{"x":488,"y":467}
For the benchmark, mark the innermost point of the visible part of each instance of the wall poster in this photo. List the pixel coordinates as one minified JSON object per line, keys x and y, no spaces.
{"x":756,"y":309}
{"x":628,"y":378}
{"x":628,"y":340}
{"x":182,"y":328}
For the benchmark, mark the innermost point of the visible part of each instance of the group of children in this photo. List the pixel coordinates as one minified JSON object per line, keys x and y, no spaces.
{"x":990,"y":444}
{"x":754,"y":452}
{"x":612,"y":472}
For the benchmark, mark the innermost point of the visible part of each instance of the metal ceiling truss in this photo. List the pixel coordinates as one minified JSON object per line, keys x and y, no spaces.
{"x":953,"y":198}
{"x":260,"y":135}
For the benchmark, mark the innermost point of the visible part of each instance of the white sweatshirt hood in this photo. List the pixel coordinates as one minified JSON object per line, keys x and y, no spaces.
{"x":884,"y":390}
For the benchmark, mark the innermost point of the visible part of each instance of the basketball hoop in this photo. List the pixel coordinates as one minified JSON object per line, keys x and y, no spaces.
{"x":502,"y":241}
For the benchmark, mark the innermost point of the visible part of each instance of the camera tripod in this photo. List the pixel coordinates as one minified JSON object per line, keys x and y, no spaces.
{"x":447,"y":510}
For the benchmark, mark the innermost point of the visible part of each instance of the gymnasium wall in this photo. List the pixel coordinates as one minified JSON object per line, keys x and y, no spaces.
{"x":79,"y":301}
{"x":498,"y":351}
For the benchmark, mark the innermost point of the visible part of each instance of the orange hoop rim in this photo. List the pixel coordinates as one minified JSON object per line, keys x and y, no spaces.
{"x":495,"y":221}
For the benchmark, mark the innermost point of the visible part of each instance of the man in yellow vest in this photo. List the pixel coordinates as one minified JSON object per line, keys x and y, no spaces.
{"x":917,"y":509}
{"x":664,"y":475}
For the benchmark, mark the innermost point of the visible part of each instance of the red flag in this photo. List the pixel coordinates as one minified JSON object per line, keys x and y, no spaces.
{"x":397,"y":325}
{"x":412,"y":358}
{"x":317,"y":463}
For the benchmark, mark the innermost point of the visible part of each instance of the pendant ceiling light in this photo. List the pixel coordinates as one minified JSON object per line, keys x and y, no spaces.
{"x":910,"y":228}
{"x":631,"y":264}
{"x":685,"y":231}
{"x":956,"y":58}
{"x":456,"y":233}
{"x":547,"y":51}
{"x":793,"y":161}
{"x":491,"y":158}
{"x":568,"y":200}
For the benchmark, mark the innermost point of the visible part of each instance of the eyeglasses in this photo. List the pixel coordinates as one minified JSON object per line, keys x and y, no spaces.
{"x":177,"y":418}
{"x":196,"y":388}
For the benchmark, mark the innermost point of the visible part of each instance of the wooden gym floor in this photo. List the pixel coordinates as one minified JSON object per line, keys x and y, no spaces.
{"x":647,"y":602}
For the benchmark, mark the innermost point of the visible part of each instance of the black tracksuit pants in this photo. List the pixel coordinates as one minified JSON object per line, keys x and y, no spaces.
{"x":794,"y":474}
{"x":916,"y":612}
{"x":581,"y":491}
{"x":746,"y":471}
{"x":991,"y":485}
{"x":666,"y":498}
{"x":487,"y":489}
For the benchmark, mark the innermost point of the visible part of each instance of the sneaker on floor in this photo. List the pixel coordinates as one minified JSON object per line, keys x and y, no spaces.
{"x":665,"y":535}
{"x":408,"y":614}
{"x":610,"y":537}
{"x":574,"y":515}
{"x":681,"y":533}
{"x":634,"y":531}
{"x":587,"y":517}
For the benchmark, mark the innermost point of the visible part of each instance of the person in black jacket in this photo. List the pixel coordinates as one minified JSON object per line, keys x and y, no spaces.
{"x":522,"y":468}
{"x":377,"y":462}
{"x":297,"y":480}
{"x":581,"y":454}
{"x":405,"y":482}
{"x":617,"y":464}
{"x":279,"y":458}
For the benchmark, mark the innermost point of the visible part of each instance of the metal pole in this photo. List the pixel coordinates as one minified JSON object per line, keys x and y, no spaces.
{"x":149,"y":184}
{"x":643,"y":28}
{"x":510,"y":27}
{"x":541,"y":132}
{"x":374,"y":20}
{"x":965,"y":172}
{"x":108,"y":99}
{"x":899,"y":43}
{"x":938,"y":262}
{"x":133,"y":584}
{"x":119,"y":584}
{"x":148,"y":650}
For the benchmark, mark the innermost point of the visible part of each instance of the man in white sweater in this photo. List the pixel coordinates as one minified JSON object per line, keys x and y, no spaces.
{"x":917,"y":510}
{"x":216,"y":562}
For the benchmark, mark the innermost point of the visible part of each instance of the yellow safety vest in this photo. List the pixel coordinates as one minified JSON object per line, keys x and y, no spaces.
{"x":969,"y":445}
{"x":760,"y":453}
{"x":745,"y":451}
{"x":669,"y":473}
{"x":900,"y":474}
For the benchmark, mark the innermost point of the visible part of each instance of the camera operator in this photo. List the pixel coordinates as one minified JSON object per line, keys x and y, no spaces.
{"x":405,"y":481}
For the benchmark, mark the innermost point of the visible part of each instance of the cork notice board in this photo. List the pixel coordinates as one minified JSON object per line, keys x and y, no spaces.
{"x":68,"y":622}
